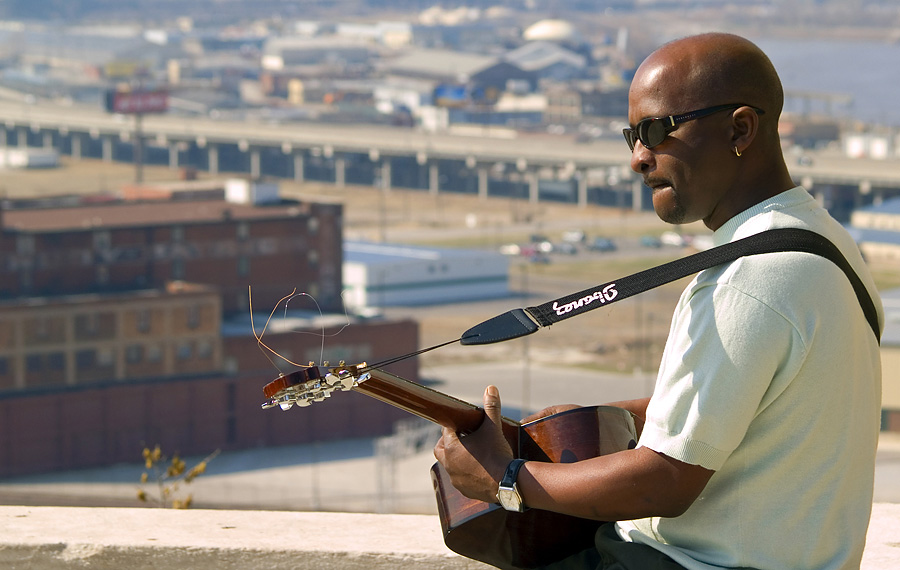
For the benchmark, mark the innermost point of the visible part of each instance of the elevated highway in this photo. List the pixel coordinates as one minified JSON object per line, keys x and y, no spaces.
{"x":478,"y":161}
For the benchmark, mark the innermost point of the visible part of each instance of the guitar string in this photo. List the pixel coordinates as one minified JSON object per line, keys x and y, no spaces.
{"x":286,"y":300}
{"x":405,"y":356}
{"x":321,"y":334}
{"x":259,"y":336}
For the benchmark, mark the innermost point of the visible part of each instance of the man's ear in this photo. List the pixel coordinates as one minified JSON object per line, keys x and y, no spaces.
{"x":745,"y":126}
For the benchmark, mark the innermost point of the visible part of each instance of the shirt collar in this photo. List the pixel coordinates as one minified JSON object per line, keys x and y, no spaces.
{"x":732,"y":229}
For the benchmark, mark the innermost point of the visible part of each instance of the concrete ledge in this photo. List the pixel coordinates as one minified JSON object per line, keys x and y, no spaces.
{"x":50,"y":538}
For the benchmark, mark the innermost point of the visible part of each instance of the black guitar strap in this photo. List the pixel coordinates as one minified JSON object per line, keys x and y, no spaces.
{"x":521,"y":322}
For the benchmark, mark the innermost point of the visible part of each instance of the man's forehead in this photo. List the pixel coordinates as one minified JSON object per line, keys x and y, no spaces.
{"x":668,"y":68}
{"x":657,"y":87}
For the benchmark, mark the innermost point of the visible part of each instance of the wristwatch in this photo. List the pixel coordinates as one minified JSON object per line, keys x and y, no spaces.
{"x":508,"y":494}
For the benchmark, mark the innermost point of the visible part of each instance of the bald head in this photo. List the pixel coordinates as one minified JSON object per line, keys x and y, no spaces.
{"x":714,"y":69}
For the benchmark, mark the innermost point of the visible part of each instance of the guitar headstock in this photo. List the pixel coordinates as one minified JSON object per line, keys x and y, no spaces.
{"x":309,"y":385}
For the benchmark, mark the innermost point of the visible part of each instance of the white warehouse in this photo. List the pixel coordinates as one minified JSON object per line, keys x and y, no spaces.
{"x":384,"y":275}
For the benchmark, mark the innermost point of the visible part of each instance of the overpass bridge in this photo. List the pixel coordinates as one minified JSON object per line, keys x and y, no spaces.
{"x":486,"y":162}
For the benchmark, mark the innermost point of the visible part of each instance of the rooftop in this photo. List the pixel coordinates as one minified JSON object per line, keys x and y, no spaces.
{"x":439,"y":63}
{"x":368,"y":252}
{"x":118,"y":214}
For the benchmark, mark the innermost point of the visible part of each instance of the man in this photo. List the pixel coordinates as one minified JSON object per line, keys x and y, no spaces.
{"x":758,"y":444}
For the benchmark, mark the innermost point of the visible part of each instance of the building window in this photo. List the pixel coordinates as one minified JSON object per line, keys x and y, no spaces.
{"x":243,"y":267}
{"x":105,"y":357}
{"x":56,"y":361}
{"x":204,"y":349}
{"x":41,"y":328}
{"x":243,"y":231}
{"x":25,"y":244}
{"x":87,"y":324}
{"x":193,"y":316}
{"x":177,"y":268}
{"x":102,"y":275}
{"x":133,"y":353}
{"x":85,"y":359}
{"x":312,"y":257}
{"x":183,"y":352}
{"x":102,"y":240}
{"x":231,"y":430}
{"x":177,"y":234}
{"x":154,"y":353}
{"x":242,"y":299}
{"x":34,"y":363}
{"x":312,"y":226}
{"x":142,"y":321}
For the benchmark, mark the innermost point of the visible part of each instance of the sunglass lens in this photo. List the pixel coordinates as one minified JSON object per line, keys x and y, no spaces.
{"x":629,"y":137}
{"x":652,"y":132}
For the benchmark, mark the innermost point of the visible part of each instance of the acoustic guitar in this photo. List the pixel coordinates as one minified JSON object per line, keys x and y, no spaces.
{"x":474,"y":529}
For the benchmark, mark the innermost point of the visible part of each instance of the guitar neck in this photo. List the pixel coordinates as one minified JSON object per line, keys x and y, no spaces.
{"x":424,"y":402}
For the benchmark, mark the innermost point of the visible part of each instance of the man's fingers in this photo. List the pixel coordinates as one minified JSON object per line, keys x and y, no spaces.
{"x":440,"y":448}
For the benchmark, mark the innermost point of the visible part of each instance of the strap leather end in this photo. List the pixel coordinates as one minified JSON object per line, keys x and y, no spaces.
{"x":509,"y":325}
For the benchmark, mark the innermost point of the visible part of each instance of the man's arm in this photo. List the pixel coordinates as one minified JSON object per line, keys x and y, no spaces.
{"x":630,"y":484}
{"x":626,"y":485}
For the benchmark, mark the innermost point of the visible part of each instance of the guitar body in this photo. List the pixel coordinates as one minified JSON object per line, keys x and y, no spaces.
{"x":474,"y":529}
{"x":534,"y":538}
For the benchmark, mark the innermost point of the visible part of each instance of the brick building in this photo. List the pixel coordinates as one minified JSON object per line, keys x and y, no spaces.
{"x":122,"y":246}
{"x":105,"y":348}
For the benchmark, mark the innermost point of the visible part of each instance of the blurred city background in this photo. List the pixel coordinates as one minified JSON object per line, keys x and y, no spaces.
{"x":199,"y":195}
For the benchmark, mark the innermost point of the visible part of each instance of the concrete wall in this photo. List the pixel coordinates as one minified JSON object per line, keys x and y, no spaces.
{"x":51,"y":538}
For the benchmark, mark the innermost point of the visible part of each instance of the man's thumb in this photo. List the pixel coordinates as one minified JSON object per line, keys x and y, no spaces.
{"x":492,"y":404}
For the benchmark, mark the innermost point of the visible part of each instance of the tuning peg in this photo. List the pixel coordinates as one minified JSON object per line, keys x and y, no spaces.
{"x":343,"y":382}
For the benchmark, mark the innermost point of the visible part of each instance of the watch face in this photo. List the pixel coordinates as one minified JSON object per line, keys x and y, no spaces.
{"x":510,"y":499}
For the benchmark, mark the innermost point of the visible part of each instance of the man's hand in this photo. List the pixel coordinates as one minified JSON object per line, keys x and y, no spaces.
{"x":476,"y":462}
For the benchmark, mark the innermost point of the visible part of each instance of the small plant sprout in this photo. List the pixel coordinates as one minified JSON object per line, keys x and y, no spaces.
{"x":169,"y":476}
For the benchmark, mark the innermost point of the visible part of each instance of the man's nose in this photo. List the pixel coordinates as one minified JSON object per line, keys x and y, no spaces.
{"x":642,"y":158}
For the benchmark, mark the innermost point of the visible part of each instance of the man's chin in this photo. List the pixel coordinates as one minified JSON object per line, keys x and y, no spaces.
{"x":667,"y":209}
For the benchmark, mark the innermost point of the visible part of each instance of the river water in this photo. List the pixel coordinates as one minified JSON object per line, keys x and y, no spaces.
{"x":867,"y":71}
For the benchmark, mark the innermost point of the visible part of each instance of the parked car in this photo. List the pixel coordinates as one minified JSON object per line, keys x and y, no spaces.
{"x":565,"y":248}
{"x":650,"y":241}
{"x":602,"y":244}
{"x":574,"y":236}
{"x":674,"y":238}
{"x":510,"y":249}
{"x":545,"y":246}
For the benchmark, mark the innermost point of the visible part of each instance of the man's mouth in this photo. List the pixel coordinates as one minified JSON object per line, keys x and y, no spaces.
{"x":657,"y":185}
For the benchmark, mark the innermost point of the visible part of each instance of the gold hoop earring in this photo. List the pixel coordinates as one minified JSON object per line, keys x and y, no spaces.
{"x":736,"y":151}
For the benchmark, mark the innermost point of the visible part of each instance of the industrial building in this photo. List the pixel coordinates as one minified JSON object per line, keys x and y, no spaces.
{"x":387,"y":275}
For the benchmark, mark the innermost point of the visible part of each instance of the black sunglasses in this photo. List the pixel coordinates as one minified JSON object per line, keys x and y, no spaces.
{"x":652,"y":131}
